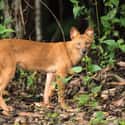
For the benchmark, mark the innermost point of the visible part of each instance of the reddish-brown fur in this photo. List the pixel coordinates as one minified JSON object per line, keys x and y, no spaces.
{"x":55,"y":59}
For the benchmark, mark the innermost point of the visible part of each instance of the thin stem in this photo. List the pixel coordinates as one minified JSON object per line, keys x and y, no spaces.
{"x":97,"y":17}
{"x":57,"y":21}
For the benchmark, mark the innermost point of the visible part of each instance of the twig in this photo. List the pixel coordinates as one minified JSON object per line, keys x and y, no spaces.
{"x":121,"y":63}
{"x":57,"y":21}
{"x":28,"y":4}
{"x":22,"y":17}
{"x":121,"y":81}
{"x":97,"y":17}
{"x":29,"y":114}
{"x":102,"y":75}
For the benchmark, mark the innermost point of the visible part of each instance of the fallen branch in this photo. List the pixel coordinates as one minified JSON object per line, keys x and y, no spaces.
{"x":120,"y":80}
{"x":29,"y":114}
{"x":121,"y":63}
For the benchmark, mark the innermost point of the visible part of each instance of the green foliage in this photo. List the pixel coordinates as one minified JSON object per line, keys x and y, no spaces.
{"x":109,"y":27}
{"x":110,"y":18}
{"x":98,"y":118}
{"x":88,"y":99}
{"x":83,"y":99}
{"x":86,"y":80}
{"x":66,"y":79}
{"x":77,"y":9}
{"x":121,"y":122}
{"x":76,"y":69}
{"x":29,"y":76}
{"x":96,"y":89}
{"x":108,"y":51}
{"x":53,"y":115}
{"x":94,"y":68}
{"x":90,"y":67}
{"x":105,"y":44}
{"x":109,"y":21}
{"x":4,"y":30}
{"x":121,"y":44}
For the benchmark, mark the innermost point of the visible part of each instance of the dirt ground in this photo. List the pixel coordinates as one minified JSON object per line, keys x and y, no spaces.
{"x":111,"y":101}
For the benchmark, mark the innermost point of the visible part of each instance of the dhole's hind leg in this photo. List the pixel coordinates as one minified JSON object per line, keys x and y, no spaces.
{"x":6,"y":74}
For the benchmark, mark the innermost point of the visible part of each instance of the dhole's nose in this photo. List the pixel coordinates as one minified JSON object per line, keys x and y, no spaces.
{"x":84,"y":51}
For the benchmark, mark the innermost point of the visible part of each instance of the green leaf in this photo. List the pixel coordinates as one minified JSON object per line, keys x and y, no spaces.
{"x":122,"y":48}
{"x":87,"y":60}
{"x":83,"y":99}
{"x":120,"y":41}
{"x":30,"y":81}
{"x":105,"y":22}
{"x":121,"y":45}
{"x":122,"y":21}
{"x":96,"y":89}
{"x":76,"y":69}
{"x":116,"y":21}
{"x":86,"y":80}
{"x":3,"y":29}
{"x":112,"y":3}
{"x":52,"y":115}
{"x":99,"y":119}
{"x":115,"y":2}
{"x":67,"y":79}
{"x":122,"y":9}
{"x":76,"y":11}
{"x":94,"y":68}
{"x":74,"y":1}
{"x":121,"y":122}
{"x":99,"y":115}
{"x":22,"y":73}
{"x":93,"y":103}
{"x":112,"y":13}
{"x":112,"y":44}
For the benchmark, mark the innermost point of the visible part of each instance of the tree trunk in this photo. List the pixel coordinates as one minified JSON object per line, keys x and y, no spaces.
{"x":7,"y":15}
{"x":38,"y":20}
{"x":18,"y":18}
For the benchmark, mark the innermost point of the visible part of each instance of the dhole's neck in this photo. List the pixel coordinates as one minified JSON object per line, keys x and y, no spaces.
{"x":73,"y":52}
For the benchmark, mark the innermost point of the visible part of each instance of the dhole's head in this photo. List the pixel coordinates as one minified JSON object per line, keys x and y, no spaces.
{"x":82,"y":41}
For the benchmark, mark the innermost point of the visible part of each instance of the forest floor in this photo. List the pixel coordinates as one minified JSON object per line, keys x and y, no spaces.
{"x":110,"y":109}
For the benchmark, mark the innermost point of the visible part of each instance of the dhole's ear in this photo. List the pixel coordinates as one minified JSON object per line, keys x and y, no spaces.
{"x":89,"y":31}
{"x":74,"y":32}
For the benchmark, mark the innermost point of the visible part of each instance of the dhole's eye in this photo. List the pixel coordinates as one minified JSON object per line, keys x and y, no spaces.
{"x":87,"y":43}
{"x":78,"y":45}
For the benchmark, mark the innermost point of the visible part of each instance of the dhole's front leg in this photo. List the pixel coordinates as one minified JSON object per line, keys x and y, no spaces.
{"x":48,"y":88}
{"x":61,"y":87}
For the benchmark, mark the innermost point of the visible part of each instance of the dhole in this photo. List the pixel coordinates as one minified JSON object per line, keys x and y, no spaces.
{"x":54,"y":58}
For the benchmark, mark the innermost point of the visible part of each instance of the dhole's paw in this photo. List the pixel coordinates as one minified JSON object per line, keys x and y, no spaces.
{"x":7,"y":110}
{"x":10,"y":108}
